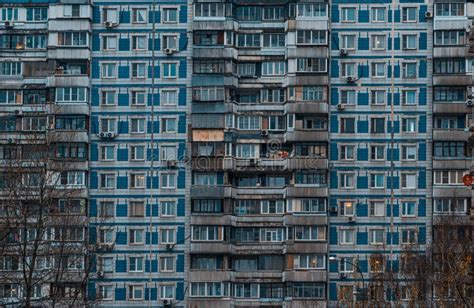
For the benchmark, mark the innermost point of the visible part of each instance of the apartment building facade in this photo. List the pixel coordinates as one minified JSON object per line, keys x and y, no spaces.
{"x":44,"y":141}
{"x":140,"y":76}
{"x":380,"y":145}
{"x":259,"y":154}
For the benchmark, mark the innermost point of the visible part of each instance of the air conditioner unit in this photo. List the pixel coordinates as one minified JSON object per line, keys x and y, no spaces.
{"x":350,"y":79}
{"x":252,"y":161}
{"x":351,"y":219}
{"x":8,"y":24}
{"x":18,"y":112}
{"x":11,"y":140}
{"x":264,"y":132}
{"x":342,"y":275}
{"x":108,"y":24}
{"x":100,"y":274}
{"x":168,"y":51}
{"x":340,"y":107}
{"x":428,"y":15}
{"x":343,"y":52}
{"x":169,"y":246}
{"x":333,"y":209}
{"x":469,"y":103}
{"x":102,"y":135}
{"x":110,"y":135}
{"x":108,"y":247}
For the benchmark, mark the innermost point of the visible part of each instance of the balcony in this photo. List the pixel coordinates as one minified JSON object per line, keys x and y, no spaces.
{"x":307,"y":192}
{"x":214,"y":275}
{"x":214,"y":52}
{"x":450,"y":135}
{"x":450,"y":108}
{"x":218,"y":192}
{"x":307,"y":247}
{"x":452,"y":80}
{"x":306,"y":135}
{"x":450,"y":23}
{"x":318,"y":275}
{"x":307,"y":107}
{"x":67,"y":81}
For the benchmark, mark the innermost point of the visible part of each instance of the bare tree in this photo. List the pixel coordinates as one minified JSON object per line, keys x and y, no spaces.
{"x":44,"y":257}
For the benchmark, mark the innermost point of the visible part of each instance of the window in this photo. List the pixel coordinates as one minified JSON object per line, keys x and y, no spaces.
{"x":379,"y":42}
{"x":110,"y":15}
{"x":450,"y":205}
{"x":376,"y":237}
{"x":206,"y":289}
{"x":409,"y":41}
{"x":449,"y":149}
{"x":347,"y":180}
{"x":166,"y":264}
{"x":272,"y":206}
{"x":347,"y":236}
{"x":246,"y":151}
{"x":135,"y":264}
{"x":170,"y":15}
{"x":377,"y":208}
{"x":409,"y":125}
{"x":347,"y":152}
{"x":312,"y":10}
{"x":449,"y":38}
{"x":348,"y":14}
{"x":248,"y":122}
{"x":107,"y":181}
{"x":209,"y":10}
{"x":409,"y":14}
{"x":168,"y":152}
{"x":107,"y":125}
{"x":106,"y":235}
{"x":9,"y":14}
{"x":73,"y":10}
{"x":409,"y":70}
{"x":377,"y":152}
{"x":139,"y":42}
{"x":311,"y":177}
{"x":378,"y":14}
{"x":310,"y":37}
{"x":137,"y":208}
{"x":409,"y":97}
{"x":273,"y":68}
{"x":313,"y":65}
{"x":106,"y":209}
{"x":377,"y":70}
{"x":272,"y":96}
{"x":346,"y":208}
{"x":167,"y":236}
{"x":346,"y":265}
{"x":10,"y":68}
{"x":246,"y":69}
{"x":206,"y":233}
{"x":207,"y":206}
{"x":137,"y":180}
{"x":139,"y":16}
{"x":170,"y":70}
{"x":377,"y":97}
{"x":170,"y":42}
{"x":409,"y":152}
{"x":168,"y":125}
{"x":348,"y":42}
{"x":449,"y":9}
{"x":310,"y":233}
{"x":348,"y":97}
{"x":377,"y":125}
{"x":138,"y":98}
{"x":408,"y":236}
{"x":137,"y":153}
{"x":107,"y":153}
{"x":347,"y":125}
{"x":138,"y":70}
{"x":309,"y":261}
{"x":377,"y":180}
{"x":71,"y":150}
{"x":309,"y":290}
{"x":376,"y":264}
{"x":267,"y":235}
{"x":318,"y":123}
{"x":408,"y":180}
{"x":107,"y":98}
{"x":168,"y":180}
{"x":35,"y":14}
{"x":348,"y":70}
{"x":168,"y":208}
{"x":311,"y":150}
{"x":345,"y":293}
{"x":273,"y":40}
{"x":71,"y":95}
{"x":73,"y":39}
{"x":109,"y":70}
{"x":36,"y":41}
{"x":106,"y":292}
{"x":450,"y":94}
{"x":136,"y":236}
{"x":447,"y":123}
{"x":449,"y":177}
{"x":137,"y":125}
{"x":169,"y":97}
{"x":308,"y":205}
{"x":33,"y":124}
{"x":449,"y":66}
{"x":408,"y":208}
{"x":135,"y":292}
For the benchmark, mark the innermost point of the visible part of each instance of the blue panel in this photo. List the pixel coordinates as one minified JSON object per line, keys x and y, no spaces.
{"x":396,"y":98}
{"x":155,"y":15}
{"x":93,"y":208}
{"x":397,"y":43}
{"x":122,"y":154}
{"x":125,"y":17}
{"x":182,"y":97}
{"x":121,"y":210}
{"x":422,"y":69}
{"x":180,"y":263}
{"x":183,"y":41}
{"x":397,"y":15}
{"x":362,"y":154}
{"x":92,"y":235}
{"x":181,"y":208}
{"x":334,"y":124}
{"x":362,"y":182}
{"x":422,"y":208}
{"x":180,"y":291}
{"x":364,"y":266}
{"x":123,"y":99}
{"x":95,"y":42}
{"x":461,"y":122}
{"x":333,"y":267}
{"x":396,"y":182}
{"x":123,"y":127}
{"x":181,"y":179}
{"x":334,"y":69}
{"x":362,"y":238}
{"x":182,"y":124}
{"x":96,"y":14}
{"x":396,"y":239}
{"x":120,"y":294}
{"x":93,"y":180}
{"x":122,"y":182}
{"x":124,"y":44}
{"x":181,"y":151}
{"x":396,"y":154}
{"x":94,"y":124}
{"x":121,"y":238}
{"x":422,"y":179}
{"x":364,"y":71}
{"x":422,"y":41}
{"x":334,"y":96}
{"x":363,"y":43}
{"x":422,"y":235}
{"x":180,"y":235}
{"x":333,"y":179}
{"x":334,"y":41}
{"x":363,"y":99}
{"x":94,"y":152}
{"x":332,"y":291}
{"x":182,"y":69}
{"x":154,"y":293}
{"x":422,"y":96}
{"x":333,"y":235}
{"x":183,"y":14}
{"x":363,"y":127}
{"x":124,"y":72}
{"x":363,"y":16}
{"x":95,"y":70}
{"x":157,"y":45}
{"x":334,"y":13}
{"x":333,"y":151}
{"x":91,"y":292}
{"x":422,"y":124}
{"x":95,"y":99}
{"x":362,"y":210}
{"x":120,"y":267}
{"x":422,"y":152}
